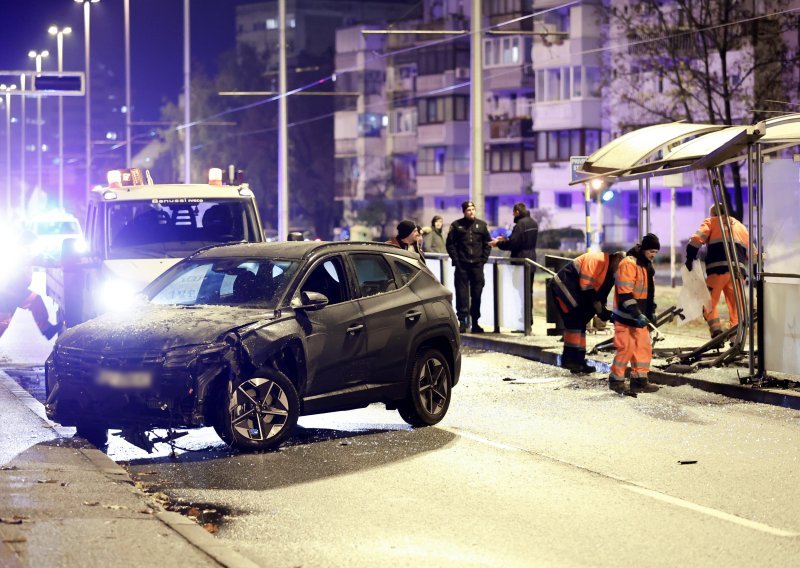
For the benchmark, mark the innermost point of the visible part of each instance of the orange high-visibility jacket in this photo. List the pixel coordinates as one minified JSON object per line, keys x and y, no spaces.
{"x":630,"y":291}
{"x":586,"y":280}
{"x":710,"y":233}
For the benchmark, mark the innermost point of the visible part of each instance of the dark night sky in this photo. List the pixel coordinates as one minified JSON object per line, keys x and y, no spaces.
{"x":156,"y":41}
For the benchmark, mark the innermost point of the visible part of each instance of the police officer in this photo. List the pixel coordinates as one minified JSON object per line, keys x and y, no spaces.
{"x":468,"y":246}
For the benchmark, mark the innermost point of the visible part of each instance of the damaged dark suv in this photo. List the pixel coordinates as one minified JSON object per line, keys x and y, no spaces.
{"x":248,"y":337}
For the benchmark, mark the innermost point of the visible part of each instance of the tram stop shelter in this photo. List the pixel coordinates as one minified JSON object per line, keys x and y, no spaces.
{"x":773,"y":184}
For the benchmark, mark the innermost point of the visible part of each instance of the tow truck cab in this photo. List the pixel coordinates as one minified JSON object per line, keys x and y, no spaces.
{"x":135,"y":231}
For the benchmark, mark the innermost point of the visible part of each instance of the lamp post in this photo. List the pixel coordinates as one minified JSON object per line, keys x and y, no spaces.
{"x":38,"y":56}
{"x":7,"y":90}
{"x":60,"y":33}
{"x":87,"y":53}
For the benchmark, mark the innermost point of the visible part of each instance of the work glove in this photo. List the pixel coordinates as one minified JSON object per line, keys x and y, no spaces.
{"x":642,"y":321}
{"x":688,"y":264}
{"x":605,"y":314}
{"x":597,"y":306}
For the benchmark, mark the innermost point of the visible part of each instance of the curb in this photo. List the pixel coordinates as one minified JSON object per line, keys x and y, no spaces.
{"x":740,"y":392}
{"x":185,"y":528}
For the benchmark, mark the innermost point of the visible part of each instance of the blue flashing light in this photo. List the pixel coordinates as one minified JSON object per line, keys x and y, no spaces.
{"x":608,"y":195}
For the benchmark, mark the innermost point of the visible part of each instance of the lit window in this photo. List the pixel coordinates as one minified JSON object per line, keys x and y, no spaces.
{"x":272,"y":24}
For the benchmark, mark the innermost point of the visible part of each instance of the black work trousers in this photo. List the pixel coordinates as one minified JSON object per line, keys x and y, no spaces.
{"x":469,"y":282}
{"x":575,"y":322}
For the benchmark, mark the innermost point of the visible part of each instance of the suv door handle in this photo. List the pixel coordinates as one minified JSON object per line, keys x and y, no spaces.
{"x":413,"y":316}
{"x":355,"y":328}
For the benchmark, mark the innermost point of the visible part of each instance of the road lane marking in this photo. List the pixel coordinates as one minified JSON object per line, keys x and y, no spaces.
{"x":635,"y":488}
{"x":711,"y":512}
{"x":480,"y":439}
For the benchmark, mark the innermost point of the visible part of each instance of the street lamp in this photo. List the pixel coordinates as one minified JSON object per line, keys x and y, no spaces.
{"x":7,"y":90}
{"x":86,"y":27}
{"x":38,"y":56}
{"x":60,"y":33}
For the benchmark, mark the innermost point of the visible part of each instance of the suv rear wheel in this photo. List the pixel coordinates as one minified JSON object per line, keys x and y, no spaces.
{"x":258,"y":413}
{"x":96,"y":433}
{"x":429,"y":389}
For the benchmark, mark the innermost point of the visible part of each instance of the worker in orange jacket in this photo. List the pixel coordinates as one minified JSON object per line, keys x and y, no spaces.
{"x":634,"y":309}
{"x":581,"y":292}
{"x":718,"y":277}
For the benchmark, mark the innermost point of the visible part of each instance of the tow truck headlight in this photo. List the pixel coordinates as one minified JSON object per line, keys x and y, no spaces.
{"x":116,"y":295}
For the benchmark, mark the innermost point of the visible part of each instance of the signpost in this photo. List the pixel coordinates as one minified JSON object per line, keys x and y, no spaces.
{"x":575,"y":164}
{"x":45,"y":83}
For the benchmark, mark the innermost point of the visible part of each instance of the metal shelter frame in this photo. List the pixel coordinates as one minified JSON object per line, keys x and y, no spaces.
{"x":679,"y":147}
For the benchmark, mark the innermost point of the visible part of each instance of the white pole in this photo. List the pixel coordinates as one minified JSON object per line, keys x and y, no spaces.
{"x":8,"y":150}
{"x":283,"y":138}
{"x":187,"y":102}
{"x":476,"y":103}
{"x":60,"y":51}
{"x":672,"y":235}
{"x":128,"y":108}
{"x":39,"y":125}
{"x":87,"y":54}
{"x":22,"y":147}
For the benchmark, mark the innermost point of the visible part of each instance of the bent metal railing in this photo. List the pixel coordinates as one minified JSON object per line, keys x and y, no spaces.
{"x":508,"y":285}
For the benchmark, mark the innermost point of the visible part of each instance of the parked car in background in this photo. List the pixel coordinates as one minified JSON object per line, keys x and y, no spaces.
{"x":49,"y":231}
{"x":248,"y":337}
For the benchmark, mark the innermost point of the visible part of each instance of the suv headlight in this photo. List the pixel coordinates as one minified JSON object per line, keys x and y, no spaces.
{"x":185,"y":356}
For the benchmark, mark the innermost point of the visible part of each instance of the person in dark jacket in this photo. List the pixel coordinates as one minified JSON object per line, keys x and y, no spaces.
{"x":522,"y":242}
{"x":468,"y":246}
{"x":581,"y":294}
{"x":407,"y":237}
{"x":433,"y":241}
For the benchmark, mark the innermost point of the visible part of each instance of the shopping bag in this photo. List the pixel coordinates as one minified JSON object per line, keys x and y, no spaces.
{"x":694,"y":295}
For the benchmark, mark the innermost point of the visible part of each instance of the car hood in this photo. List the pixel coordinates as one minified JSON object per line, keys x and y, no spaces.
{"x":156,"y":328}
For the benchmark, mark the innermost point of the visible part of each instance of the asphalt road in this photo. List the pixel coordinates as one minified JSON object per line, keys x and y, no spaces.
{"x":542,"y":469}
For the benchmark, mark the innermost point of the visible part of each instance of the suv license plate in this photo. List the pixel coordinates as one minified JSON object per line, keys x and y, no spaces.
{"x":125,"y":379}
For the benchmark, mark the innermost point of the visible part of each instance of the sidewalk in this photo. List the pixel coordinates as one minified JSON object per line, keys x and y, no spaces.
{"x":721,"y":380}
{"x":65,"y":503}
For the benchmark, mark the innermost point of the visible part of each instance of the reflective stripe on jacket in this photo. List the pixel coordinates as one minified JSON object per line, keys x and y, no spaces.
{"x":710,"y":234}
{"x":587,"y":279}
{"x":630,"y":291}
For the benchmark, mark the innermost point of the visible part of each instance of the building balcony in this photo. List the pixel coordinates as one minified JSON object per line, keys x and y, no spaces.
{"x":404,"y":144}
{"x":443,"y":134}
{"x":516,"y":78}
{"x":442,"y":185}
{"x":345,"y":147}
{"x":507,"y":183}
{"x":558,"y":115}
{"x":508,"y":130}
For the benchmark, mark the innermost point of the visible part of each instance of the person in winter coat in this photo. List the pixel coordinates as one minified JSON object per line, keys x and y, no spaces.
{"x":581,"y":295}
{"x":718,"y":277}
{"x":468,"y":246}
{"x":433,"y":240}
{"x":634,"y":309}
{"x":522,"y":242}
{"x":407,"y":238}
{"x":16,"y":293}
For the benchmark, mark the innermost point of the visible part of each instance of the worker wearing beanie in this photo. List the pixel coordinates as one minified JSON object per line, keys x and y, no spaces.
{"x":407,"y":237}
{"x":468,"y":246}
{"x":634,"y":308}
{"x":718,"y":277}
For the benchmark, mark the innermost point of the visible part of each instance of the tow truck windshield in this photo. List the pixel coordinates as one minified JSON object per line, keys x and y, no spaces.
{"x":173,"y":228}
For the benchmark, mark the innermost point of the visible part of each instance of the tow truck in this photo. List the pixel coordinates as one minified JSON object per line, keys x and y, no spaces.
{"x":135,"y":230}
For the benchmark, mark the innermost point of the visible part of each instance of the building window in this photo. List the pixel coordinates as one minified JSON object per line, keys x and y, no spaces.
{"x":683,"y":198}
{"x":369,"y":124}
{"x":272,"y":23}
{"x":533,"y":201}
{"x":655,"y":198}
{"x":436,"y":110}
{"x":564,"y":200}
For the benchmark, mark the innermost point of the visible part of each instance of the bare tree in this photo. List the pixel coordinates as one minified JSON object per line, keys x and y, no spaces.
{"x":706,"y":61}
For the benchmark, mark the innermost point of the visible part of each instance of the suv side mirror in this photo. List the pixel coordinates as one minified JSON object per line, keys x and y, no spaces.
{"x":310,"y":301}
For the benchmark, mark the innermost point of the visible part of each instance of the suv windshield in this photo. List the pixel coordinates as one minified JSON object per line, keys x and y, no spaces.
{"x":175,"y":227}
{"x":248,"y":283}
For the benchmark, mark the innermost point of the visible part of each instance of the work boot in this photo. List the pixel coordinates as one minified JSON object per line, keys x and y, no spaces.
{"x":641,"y":384}
{"x":462,"y":326}
{"x":580,"y":369}
{"x":476,"y":328}
{"x":616,"y":385}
